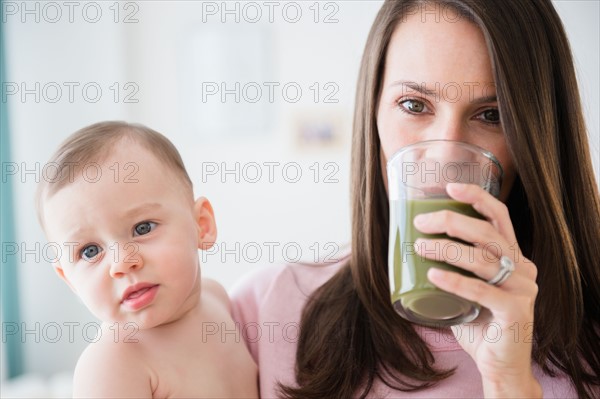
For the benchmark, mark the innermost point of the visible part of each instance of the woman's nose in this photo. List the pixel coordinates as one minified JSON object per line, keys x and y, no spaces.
{"x":448,"y":126}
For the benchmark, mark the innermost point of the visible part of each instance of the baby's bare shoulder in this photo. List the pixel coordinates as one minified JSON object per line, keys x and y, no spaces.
{"x":104,"y":370}
{"x":213,"y":290}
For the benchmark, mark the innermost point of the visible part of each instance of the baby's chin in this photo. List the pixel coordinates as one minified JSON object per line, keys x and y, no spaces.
{"x":124,"y":331}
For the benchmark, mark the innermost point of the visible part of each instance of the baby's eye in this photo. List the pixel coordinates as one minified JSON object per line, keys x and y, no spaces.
{"x":413,"y":106}
{"x":143,"y":228}
{"x":90,"y":252}
{"x":491,"y":116}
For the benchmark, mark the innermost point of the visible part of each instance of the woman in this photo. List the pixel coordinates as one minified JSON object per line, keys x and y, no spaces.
{"x":518,"y":99}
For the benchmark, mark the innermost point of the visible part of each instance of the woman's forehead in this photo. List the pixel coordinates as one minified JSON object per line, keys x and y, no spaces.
{"x":429,"y":51}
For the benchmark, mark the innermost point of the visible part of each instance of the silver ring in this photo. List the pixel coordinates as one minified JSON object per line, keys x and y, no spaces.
{"x":507,"y":266}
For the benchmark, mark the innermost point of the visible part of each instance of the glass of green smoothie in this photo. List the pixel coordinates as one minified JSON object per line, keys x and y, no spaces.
{"x":417,"y":179}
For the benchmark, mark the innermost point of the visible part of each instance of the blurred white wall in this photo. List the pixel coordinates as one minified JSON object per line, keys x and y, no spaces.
{"x":580,"y":18}
{"x":162,"y":60}
{"x":44,"y":53}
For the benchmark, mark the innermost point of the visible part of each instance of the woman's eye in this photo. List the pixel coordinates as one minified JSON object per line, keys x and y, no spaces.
{"x":413,"y":106}
{"x":490,"y":116}
{"x":90,"y":252}
{"x":143,"y":228}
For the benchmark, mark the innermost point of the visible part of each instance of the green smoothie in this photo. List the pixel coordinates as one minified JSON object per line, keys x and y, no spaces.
{"x":412,"y":294}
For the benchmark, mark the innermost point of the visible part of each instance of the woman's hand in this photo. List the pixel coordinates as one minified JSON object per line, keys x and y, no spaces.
{"x":500,"y":339}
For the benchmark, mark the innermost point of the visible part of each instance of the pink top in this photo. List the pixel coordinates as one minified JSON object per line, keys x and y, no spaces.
{"x":268,"y":302}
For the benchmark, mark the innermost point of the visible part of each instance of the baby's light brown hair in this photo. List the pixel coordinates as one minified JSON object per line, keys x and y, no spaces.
{"x":93,"y":144}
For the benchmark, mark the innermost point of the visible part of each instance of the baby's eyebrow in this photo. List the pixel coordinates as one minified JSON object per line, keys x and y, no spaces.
{"x":151,"y":206}
{"x":130,"y":213}
{"x":77,"y":232}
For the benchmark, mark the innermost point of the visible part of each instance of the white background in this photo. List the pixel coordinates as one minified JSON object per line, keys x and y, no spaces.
{"x":166,"y":55}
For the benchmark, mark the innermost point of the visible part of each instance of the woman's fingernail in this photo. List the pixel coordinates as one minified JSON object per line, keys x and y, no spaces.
{"x":418,"y":242}
{"x":422,"y":218}
{"x":456,"y":187}
{"x":435,"y":273}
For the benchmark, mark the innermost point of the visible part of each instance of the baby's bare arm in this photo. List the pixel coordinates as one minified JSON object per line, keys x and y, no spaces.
{"x":109,"y":370}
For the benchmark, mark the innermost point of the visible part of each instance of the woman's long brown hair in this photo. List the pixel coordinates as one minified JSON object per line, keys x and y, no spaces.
{"x":355,"y":337}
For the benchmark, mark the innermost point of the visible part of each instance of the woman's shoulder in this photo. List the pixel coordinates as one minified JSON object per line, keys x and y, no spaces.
{"x":281,"y":284}
{"x":267,"y":307}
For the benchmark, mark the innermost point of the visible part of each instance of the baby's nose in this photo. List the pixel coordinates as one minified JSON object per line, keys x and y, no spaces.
{"x":126,"y":259}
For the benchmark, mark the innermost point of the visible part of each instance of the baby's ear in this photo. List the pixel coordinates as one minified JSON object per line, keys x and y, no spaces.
{"x":205,"y":220}
{"x":61,"y":273}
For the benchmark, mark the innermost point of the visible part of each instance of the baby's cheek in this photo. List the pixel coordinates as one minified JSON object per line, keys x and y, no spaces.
{"x":99,"y":297}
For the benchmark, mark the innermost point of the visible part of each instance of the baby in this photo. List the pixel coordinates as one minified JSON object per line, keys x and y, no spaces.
{"x":121,"y":207}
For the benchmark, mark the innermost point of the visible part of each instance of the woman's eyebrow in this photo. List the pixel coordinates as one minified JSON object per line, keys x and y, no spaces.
{"x":485,"y":99}
{"x":422,"y":88}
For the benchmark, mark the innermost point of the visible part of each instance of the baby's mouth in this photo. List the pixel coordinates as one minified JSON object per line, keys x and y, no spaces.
{"x":137,"y":294}
{"x":136,"y":291}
